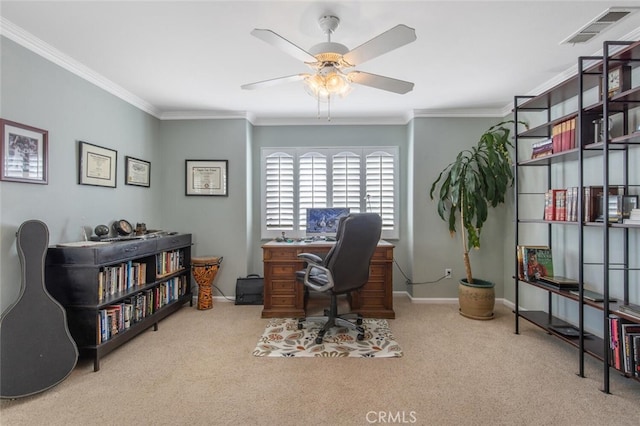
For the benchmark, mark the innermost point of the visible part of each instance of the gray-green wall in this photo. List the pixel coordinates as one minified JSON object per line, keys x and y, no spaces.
{"x":41,"y":94}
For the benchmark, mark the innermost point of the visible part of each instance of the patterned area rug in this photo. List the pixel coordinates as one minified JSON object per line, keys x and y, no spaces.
{"x":282,"y":338}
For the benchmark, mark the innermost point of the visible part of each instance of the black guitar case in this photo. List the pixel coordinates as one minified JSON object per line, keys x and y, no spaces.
{"x":36,"y":348}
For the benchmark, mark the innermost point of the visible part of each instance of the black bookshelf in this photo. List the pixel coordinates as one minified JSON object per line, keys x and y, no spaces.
{"x":77,"y":277}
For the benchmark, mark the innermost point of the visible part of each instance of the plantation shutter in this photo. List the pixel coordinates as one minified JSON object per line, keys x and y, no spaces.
{"x":346,"y":181}
{"x":380,"y":186}
{"x":312,"y":187}
{"x":279,"y":191}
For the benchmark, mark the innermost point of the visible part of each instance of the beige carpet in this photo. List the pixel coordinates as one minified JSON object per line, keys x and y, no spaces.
{"x":197,"y":369}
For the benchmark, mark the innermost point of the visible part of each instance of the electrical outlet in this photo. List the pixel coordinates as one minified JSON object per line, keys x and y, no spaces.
{"x":447,"y":273}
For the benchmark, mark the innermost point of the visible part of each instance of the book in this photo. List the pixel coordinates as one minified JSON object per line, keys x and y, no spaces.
{"x":549,"y":205}
{"x":627,"y":331}
{"x":556,"y":140}
{"x":542,"y":148}
{"x":572,"y":204}
{"x":631,"y":309}
{"x":592,"y":296}
{"x":560,"y":202}
{"x":520,"y":252}
{"x":614,"y":342}
{"x":568,"y":331}
{"x":560,"y":283}
{"x":537,"y":262}
{"x":592,"y":207}
{"x":636,"y":356}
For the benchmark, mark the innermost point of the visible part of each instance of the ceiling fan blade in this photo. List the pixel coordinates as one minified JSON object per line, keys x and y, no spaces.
{"x":380,"y":82}
{"x":387,"y":41}
{"x":274,"y":81}
{"x":283,"y":44}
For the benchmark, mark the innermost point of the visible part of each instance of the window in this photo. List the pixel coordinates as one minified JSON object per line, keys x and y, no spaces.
{"x":295,"y":179}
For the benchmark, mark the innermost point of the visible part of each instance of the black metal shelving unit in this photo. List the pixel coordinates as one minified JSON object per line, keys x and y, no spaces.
{"x":549,"y":108}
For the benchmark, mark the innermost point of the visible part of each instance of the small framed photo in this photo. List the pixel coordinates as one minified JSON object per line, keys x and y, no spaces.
{"x":97,"y":165}
{"x":206,"y":177}
{"x":24,"y":153}
{"x":629,"y":202}
{"x":137,"y":172}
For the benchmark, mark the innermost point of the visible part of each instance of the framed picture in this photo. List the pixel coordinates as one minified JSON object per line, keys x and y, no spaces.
{"x":137,"y":172}
{"x":206,"y":177}
{"x":24,"y":153}
{"x":97,"y":165}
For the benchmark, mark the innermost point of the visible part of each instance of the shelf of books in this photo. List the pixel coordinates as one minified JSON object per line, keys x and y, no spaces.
{"x":575,"y":166}
{"x":113,"y":292}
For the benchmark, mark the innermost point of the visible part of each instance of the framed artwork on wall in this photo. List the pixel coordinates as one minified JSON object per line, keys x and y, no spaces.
{"x":97,"y":165}
{"x":207,"y":177}
{"x":24,"y":153}
{"x":137,"y":172}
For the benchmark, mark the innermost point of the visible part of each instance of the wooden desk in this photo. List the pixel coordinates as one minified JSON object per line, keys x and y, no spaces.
{"x":284,"y":297}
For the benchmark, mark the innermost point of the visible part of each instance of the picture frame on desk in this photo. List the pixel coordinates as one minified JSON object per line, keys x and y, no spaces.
{"x":97,"y":165}
{"x":24,"y":153}
{"x":206,"y":177}
{"x":137,"y":172}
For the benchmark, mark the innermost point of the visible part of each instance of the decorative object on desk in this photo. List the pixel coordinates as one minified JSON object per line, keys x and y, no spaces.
{"x":122,"y":227}
{"x":477,"y":179}
{"x":101,"y":231}
{"x":141,"y":228}
{"x":206,"y":177}
{"x":36,"y":348}
{"x":24,"y":153}
{"x":137,"y":172}
{"x":97,"y":165}
{"x":282,"y":338}
{"x":250,"y":290}
{"x":204,"y":270}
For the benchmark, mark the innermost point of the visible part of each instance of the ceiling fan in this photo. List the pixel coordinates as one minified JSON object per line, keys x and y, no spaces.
{"x":331,"y":61}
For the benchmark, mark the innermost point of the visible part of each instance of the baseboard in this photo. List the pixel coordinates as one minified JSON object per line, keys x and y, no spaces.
{"x":444,"y":300}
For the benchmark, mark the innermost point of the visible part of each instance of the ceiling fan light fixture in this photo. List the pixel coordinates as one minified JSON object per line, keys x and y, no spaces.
{"x":328,"y":82}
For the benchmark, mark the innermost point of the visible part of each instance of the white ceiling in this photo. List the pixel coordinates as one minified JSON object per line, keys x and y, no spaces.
{"x":180,"y":59}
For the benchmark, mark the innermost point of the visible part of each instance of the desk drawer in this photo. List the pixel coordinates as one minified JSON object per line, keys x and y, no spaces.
{"x":284,"y":286}
{"x":383,"y":254}
{"x":283,"y":301}
{"x":377,"y":271}
{"x":286,"y":270}
{"x":283,"y":253}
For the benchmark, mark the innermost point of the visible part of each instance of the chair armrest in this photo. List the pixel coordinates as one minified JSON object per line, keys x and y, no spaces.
{"x":321,"y":278}
{"x":311,"y":258}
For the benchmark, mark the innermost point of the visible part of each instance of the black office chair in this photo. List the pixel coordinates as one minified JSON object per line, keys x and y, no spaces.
{"x":343,"y":270}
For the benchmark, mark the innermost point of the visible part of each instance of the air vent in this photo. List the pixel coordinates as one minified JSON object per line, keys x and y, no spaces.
{"x":599,"y":24}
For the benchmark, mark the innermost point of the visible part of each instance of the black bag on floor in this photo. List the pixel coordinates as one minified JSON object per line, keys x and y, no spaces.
{"x":249,"y":290}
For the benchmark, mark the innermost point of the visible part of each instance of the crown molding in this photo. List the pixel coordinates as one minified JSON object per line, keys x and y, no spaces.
{"x":202,"y":115}
{"x":45,"y":50}
{"x":460,"y":112}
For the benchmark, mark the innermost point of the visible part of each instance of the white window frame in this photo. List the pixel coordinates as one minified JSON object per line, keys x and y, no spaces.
{"x":390,"y":231}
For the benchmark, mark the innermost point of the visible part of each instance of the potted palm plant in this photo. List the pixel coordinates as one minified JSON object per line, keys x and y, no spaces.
{"x":465,"y":190}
